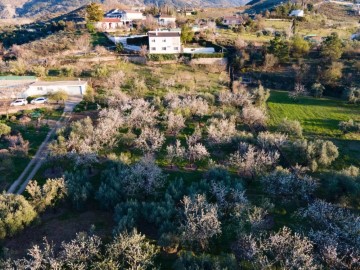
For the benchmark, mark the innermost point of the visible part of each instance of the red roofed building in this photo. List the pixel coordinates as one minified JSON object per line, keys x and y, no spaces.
{"x":109,"y":23}
{"x":232,"y":20}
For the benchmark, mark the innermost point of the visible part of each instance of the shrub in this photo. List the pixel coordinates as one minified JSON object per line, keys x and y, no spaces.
{"x":317,"y":153}
{"x":162,"y":57}
{"x":352,"y":95}
{"x":291,"y":127}
{"x":287,"y":186}
{"x":349,"y":126}
{"x":317,"y":90}
{"x":15,"y":214}
{"x":4,"y":129}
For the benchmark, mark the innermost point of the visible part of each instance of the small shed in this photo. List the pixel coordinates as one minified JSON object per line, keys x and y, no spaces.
{"x":72,"y":88}
{"x":297,"y":13}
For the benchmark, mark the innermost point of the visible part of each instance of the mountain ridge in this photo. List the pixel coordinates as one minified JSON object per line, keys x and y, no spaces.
{"x":35,"y":8}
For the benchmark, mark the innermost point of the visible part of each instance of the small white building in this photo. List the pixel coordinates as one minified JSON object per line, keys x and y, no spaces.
{"x":40,"y":88}
{"x":166,"y":20}
{"x":116,"y":18}
{"x":234,"y":20}
{"x":297,"y":13}
{"x":125,"y":15}
{"x":164,"y":41}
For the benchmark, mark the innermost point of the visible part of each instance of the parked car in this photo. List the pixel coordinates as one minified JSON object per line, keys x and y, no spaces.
{"x":19,"y":102}
{"x":39,"y":100}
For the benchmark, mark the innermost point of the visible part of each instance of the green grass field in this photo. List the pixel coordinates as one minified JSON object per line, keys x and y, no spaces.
{"x":320,"y":119}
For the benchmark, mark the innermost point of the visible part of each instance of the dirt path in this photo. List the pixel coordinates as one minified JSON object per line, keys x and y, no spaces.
{"x":34,"y":165}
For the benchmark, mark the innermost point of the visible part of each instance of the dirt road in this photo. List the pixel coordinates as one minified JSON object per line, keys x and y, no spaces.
{"x":34,"y":165}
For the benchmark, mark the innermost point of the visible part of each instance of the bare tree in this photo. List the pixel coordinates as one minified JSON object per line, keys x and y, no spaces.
{"x":251,"y":161}
{"x":150,"y":140}
{"x":284,"y":249}
{"x":253,"y":117}
{"x":200,"y":220}
{"x":299,"y":90}
{"x":175,"y":152}
{"x":221,"y":130}
{"x":175,"y":123}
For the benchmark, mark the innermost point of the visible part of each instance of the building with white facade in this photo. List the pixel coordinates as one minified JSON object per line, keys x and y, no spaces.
{"x":41,"y":88}
{"x":125,"y":15}
{"x":234,"y":20}
{"x":297,"y":13}
{"x":117,"y":18}
{"x":166,"y":20}
{"x":109,"y":23}
{"x":164,"y":41}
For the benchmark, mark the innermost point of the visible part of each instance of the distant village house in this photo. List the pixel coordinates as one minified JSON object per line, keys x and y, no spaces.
{"x":166,"y":20}
{"x":118,"y":18}
{"x":231,"y":21}
{"x":297,"y":13}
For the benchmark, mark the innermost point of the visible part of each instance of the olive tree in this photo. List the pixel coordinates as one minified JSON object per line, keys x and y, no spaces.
{"x":15,"y":214}
{"x":317,"y":153}
{"x":290,"y":127}
{"x":47,"y":195}
{"x":4,"y":129}
{"x":79,"y":188}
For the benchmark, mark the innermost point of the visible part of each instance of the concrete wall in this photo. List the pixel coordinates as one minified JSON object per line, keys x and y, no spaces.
{"x":133,"y":16}
{"x":209,"y":61}
{"x":198,"y":50}
{"x":45,"y":90}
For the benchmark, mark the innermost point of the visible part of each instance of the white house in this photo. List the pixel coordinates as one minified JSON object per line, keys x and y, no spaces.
{"x":40,"y":88}
{"x":164,"y":41}
{"x":297,"y":13}
{"x":116,"y":18}
{"x":232,"y":20}
{"x":125,"y":15}
{"x":166,"y":20}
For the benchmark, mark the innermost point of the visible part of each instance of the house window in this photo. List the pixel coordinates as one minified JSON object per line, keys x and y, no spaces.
{"x":163,"y":48}
{"x":164,"y":40}
{"x":153,"y":48}
{"x":153,"y":40}
{"x":39,"y":88}
{"x":176,"y":48}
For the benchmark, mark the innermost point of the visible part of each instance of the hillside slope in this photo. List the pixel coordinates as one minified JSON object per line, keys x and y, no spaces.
{"x":33,"y":8}
{"x":256,"y":6}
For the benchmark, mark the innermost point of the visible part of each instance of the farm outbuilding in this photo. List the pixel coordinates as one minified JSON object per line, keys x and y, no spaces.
{"x":72,"y":88}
